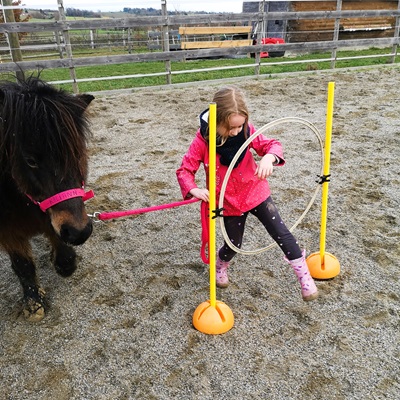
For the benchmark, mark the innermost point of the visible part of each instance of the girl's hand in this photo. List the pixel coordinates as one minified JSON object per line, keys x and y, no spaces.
{"x":202,"y":194}
{"x":265,"y":166}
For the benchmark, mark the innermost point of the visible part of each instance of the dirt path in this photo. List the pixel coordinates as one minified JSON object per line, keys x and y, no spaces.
{"x":120,"y":327}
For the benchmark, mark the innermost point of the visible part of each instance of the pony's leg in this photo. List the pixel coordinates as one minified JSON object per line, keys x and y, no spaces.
{"x":25,"y":269}
{"x":64,"y":257}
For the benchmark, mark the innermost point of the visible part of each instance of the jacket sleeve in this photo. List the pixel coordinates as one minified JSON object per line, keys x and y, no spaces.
{"x":262,"y":146}
{"x":190,"y":164}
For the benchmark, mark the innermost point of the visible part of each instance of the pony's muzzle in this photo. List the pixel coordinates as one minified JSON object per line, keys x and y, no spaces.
{"x":72,"y":226}
{"x":71,"y":235}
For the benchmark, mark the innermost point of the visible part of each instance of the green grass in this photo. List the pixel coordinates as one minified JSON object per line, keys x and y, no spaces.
{"x":307,"y":62}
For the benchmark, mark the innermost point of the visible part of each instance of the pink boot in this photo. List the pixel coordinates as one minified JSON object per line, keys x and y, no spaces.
{"x":308,"y":289}
{"x":222,"y":273}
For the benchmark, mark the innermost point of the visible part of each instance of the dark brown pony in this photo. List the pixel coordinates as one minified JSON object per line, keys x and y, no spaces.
{"x":43,"y":161}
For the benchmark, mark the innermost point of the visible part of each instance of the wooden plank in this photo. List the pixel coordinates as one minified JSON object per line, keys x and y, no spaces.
{"x":369,"y":27}
{"x":215,"y":44}
{"x":215,"y":30}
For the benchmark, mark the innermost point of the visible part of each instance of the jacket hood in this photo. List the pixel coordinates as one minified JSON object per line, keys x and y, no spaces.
{"x":228,"y":150}
{"x":204,"y":123}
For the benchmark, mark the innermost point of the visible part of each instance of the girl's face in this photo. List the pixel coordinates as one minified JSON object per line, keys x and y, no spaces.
{"x":235,"y":125}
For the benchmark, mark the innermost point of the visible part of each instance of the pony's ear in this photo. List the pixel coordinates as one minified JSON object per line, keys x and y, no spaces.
{"x":86,"y":98}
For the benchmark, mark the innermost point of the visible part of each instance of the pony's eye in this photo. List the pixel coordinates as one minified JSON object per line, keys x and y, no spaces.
{"x":31,"y":162}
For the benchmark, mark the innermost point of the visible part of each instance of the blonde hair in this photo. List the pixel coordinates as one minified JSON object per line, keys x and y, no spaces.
{"x":229,"y":100}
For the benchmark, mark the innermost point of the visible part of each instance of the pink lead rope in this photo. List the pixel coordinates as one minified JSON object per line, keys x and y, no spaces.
{"x":118,"y":214}
{"x":204,"y":219}
{"x":80,"y":192}
{"x":205,"y":233}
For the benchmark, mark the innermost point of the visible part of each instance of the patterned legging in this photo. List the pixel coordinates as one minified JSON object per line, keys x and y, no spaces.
{"x":268,"y":215}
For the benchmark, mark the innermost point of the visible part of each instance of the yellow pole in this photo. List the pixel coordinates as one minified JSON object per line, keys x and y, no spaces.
{"x":325,"y":184}
{"x":212,"y":317}
{"x":212,"y":201}
{"x":323,"y":265}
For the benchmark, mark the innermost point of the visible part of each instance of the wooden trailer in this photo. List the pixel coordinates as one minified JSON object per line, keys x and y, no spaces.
{"x":204,"y":37}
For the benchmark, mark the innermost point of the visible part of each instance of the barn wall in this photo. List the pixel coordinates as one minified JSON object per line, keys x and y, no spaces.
{"x":350,"y":28}
{"x":322,"y":29}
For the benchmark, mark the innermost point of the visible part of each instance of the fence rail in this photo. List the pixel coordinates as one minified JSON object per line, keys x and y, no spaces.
{"x":62,"y":36}
{"x":180,"y":20}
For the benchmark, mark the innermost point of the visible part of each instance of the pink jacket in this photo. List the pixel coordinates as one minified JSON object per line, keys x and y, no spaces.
{"x":244,"y":190}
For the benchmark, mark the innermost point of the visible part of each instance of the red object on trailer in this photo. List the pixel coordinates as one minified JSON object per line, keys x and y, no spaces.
{"x":270,"y":40}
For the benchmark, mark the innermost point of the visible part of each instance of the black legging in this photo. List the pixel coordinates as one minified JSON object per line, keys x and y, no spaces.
{"x":268,"y":215}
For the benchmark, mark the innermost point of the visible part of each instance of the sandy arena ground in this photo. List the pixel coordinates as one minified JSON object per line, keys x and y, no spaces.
{"x":121,"y":326}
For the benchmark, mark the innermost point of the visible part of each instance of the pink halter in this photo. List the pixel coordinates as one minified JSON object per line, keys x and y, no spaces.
{"x":63,"y":196}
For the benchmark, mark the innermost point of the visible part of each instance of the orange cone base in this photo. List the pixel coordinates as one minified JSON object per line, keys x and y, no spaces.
{"x":328,"y":270}
{"x":213,"y":320}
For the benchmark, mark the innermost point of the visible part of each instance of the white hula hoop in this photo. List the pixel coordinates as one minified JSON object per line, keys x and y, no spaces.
{"x":233,"y":162}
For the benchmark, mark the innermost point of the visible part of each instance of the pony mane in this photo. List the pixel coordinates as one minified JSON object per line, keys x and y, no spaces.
{"x":36,"y":115}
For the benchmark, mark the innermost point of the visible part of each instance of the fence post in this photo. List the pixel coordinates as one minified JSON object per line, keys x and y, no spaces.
{"x":336,"y":33}
{"x":165,"y":39}
{"x":57,"y":39}
{"x":68,"y":48}
{"x":130,"y":40}
{"x":92,"y":45}
{"x":396,"y":35}
{"x":260,"y":35}
{"x":12,"y":38}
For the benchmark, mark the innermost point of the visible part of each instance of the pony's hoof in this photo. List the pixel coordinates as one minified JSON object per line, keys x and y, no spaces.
{"x":34,"y":313}
{"x":34,"y":308}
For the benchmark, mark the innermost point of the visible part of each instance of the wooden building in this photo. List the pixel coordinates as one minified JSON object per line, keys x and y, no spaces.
{"x":322,"y":29}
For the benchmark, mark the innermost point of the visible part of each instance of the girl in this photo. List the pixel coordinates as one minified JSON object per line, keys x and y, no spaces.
{"x":247,"y":190}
